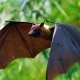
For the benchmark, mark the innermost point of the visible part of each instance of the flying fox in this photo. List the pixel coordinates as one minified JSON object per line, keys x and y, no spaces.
{"x":41,"y":30}
{"x":65,"y":46}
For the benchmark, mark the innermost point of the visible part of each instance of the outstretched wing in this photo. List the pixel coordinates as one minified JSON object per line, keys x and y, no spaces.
{"x":65,"y":50}
{"x":15,"y":42}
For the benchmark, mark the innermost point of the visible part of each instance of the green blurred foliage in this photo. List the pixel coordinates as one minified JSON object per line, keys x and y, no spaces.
{"x":66,"y":11}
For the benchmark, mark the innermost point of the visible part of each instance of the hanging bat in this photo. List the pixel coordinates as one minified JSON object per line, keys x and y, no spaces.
{"x":15,"y":42}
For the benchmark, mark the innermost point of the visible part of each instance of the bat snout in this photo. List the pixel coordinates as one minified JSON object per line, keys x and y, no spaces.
{"x":31,"y":33}
{"x":34,"y":33}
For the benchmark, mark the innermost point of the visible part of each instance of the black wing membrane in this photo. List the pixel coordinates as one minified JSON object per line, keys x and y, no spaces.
{"x":65,"y":50}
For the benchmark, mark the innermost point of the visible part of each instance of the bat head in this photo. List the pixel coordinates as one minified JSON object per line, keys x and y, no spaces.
{"x":40,"y":30}
{"x":35,"y":30}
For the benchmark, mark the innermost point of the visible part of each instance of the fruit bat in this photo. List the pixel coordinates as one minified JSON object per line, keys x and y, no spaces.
{"x":24,"y":39}
{"x":16,"y":43}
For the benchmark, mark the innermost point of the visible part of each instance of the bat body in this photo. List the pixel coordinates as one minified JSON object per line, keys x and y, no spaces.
{"x":17,"y":40}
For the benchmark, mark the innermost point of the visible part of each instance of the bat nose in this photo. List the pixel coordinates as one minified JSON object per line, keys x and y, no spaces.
{"x":31,"y":33}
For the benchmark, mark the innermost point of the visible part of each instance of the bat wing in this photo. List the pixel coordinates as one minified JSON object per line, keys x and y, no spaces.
{"x":15,"y":43}
{"x":65,"y":50}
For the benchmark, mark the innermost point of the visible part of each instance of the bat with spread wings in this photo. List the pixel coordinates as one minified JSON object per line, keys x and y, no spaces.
{"x":16,"y":43}
{"x":24,"y":39}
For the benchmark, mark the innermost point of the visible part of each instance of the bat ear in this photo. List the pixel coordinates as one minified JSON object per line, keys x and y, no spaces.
{"x":42,"y":24}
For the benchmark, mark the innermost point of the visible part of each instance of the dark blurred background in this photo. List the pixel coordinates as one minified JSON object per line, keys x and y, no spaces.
{"x":65,"y":11}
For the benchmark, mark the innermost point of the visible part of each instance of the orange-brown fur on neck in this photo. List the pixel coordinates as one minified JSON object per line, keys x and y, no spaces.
{"x":46,"y":33}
